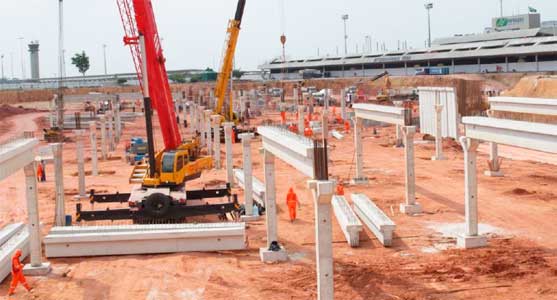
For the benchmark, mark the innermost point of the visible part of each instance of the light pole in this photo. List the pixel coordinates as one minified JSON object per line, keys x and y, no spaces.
{"x":501,"y":4}
{"x":345,"y":18}
{"x":104,"y":55}
{"x":368,"y":43}
{"x":429,"y":7}
{"x":2,"y":57}
{"x":22,"y":58}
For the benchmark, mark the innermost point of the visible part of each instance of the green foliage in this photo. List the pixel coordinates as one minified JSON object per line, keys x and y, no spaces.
{"x":81,"y":61}
{"x":177,"y":78}
{"x":238,"y":73}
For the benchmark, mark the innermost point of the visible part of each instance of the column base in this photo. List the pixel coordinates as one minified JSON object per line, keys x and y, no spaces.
{"x":245,"y":218}
{"x":410,"y":209}
{"x":269,"y":256}
{"x":359,"y":181}
{"x":41,"y":270}
{"x":490,"y":173}
{"x":435,"y":158}
{"x":470,"y":242}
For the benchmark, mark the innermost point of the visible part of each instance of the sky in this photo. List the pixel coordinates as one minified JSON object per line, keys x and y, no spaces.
{"x":193,"y":32}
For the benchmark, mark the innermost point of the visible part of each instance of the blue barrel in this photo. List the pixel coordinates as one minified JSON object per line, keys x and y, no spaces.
{"x":68,"y":220}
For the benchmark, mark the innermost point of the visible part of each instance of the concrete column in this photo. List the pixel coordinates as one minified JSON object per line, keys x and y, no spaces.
{"x":494,"y":162}
{"x":110,"y":119}
{"x":295,"y":95}
{"x":60,"y":209}
{"x":343,"y":104}
{"x":438,"y":133}
{"x":104,"y":147}
{"x":301,"y":119}
{"x":228,"y":144}
{"x":470,"y":239}
{"x":185,"y":113}
{"x":80,"y":164}
{"x":208,"y":136}
{"x":358,"y":145}
{"x":266,"y":254}
{"x":216,"y":140}
{"x":325,"y":123}
{"x":192,"y":125}
{"x":410,"y":207}
{"x":118,"y":121}
{"x":94,"y":156}
{"x":201,"y":125}
{"x":398,"y":142}
{"x":248,"y":182}
{"x":323,"y":194}
{"x":36,"y":267}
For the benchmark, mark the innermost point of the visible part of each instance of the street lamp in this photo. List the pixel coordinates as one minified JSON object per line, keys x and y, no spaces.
{"x":345,"y":18}
{"x":104,"y":55}
{"x":501,"y":4}
{"x":429,"y":7}
{"x":2,"y":57}
{"x":22,"y":57}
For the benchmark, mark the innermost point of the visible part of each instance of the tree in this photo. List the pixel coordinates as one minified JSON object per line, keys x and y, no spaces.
{"x":238,"y":73}
{"x":178,"y":78}
{"x":81,"y":61}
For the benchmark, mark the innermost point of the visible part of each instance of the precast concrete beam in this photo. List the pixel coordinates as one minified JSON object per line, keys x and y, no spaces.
{"x":12,"y":237}
{"x":374,"y":218}
{"x":294,"y":149}
{"x":381,"y":113}
{"x":534,"y":136}
{"x":258,"y":186}
{"x":347,"y":220}
{"x":15,"y":155}
{"x":144,"y":239}
{"x":538,"y":106}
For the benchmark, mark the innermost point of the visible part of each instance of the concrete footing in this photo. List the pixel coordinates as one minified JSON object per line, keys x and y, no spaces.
{"x":269,"y":256}
{"x":410,"y":209}
{"x":40,"y":270}
{"x":470,"y":242}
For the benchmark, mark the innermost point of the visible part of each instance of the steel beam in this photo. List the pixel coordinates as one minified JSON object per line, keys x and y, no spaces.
{"x":381,"y":113}
{"x":538,"y":106}
{"x":293,"y":149}
{"x":535,"y":136}
{"x":143,"y":239}
{"x":16,"y":155}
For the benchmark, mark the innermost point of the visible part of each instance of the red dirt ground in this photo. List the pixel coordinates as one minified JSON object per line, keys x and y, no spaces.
{"x":519,"y":263}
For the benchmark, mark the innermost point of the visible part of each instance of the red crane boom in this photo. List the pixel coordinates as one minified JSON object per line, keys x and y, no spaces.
{"x":138,"y":20}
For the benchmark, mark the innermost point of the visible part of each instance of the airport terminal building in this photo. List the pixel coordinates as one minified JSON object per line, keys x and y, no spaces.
{"x":513,"y":44}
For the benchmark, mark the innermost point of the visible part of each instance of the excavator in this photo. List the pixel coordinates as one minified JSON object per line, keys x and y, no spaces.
{"x":161,"y":196}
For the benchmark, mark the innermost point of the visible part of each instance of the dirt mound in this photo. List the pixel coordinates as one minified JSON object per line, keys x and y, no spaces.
{"x":535,"y":86}
{"x":8,"y":111}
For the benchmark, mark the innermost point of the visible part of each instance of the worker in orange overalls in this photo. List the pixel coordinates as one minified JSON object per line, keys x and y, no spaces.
{"x":233,"y":137}
{"x":291,"y":202}
{"x":17,"y":273}
{"x":40,"y":172}
{"x":308,"y":132}
{"x":340,"y":189}
{"x":293,"y":128}
{"x":346,"y":126}
{"x":283,"y":117}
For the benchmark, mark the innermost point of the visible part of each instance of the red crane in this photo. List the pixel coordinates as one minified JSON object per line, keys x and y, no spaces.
{"x":138,"y":19}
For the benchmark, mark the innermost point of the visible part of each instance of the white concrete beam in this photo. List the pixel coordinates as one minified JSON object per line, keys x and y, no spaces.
{"x":16,"y":155}
{"x":258,"y":186}
{"x":294,"y":149}
{"x":144,"y":239}
{"x":374,"y":218}
{"x":380,"y":113}
{"x":535,"y":136}
{"x":346,"y":218}
{"x":12,"y":237}
{"x":538,"y":106}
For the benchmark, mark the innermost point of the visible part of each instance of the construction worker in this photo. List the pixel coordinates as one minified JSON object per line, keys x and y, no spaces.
{"x":308,"y":132}
{"x":283,"y":117}
{"x":340,"y":189}
{"x":346,"y":126}
{"x":43,"y":178}
{"x":292,"y":202}
{"x":40,"y":172}
{"x":17,"y":273}
{"x":233,"y":136}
